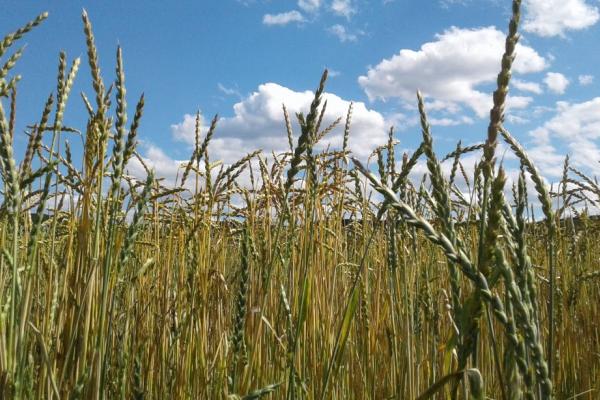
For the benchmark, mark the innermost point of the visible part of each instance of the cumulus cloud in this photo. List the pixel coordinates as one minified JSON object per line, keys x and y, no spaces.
{"x":156,"y":159}
{"x":469,"y":161}
{"x":450,"y":69}
{"x":258,"y":123}
{"x":575,"y":128}
{"x":556,"y":82}
{"x":526,"y":86}
{"x":342,"y":33}
{"x":555,"y":17}
{"x":283,"y":18}
{"x":344,"y":8}
{"x":166,"y":168}
{"x":585,"y":80}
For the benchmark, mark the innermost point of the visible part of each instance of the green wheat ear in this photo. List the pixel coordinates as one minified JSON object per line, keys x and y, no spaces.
{"x":92,"y":53}
{"x":9,"y":88}
{"x":305,"y":140}
{"x":499,"y":97}
{"x":9,"y":39}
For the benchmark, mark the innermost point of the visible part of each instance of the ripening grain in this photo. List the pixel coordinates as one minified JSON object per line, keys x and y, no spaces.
{"x":302,"y":275}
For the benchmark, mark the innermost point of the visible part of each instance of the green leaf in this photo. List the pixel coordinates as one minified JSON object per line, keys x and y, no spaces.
{"x":475,"y":384}
{"x":257,"y":394}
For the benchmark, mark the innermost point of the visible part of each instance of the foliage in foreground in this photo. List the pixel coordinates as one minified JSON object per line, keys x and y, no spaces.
{"x":294,"y":285}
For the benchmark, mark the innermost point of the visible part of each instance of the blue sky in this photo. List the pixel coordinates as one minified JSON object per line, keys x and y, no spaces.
{"x":242,"y":59}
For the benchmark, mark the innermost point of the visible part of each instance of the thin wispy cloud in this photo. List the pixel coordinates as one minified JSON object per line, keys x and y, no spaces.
{"x":283,"y":18}
{"x":585,"y":80}
{"x":342,"y":33}
{"x":309,"y":5}
{"x":451,"y":121}
{"x":343,"y":8}
{"x":228,"y":91}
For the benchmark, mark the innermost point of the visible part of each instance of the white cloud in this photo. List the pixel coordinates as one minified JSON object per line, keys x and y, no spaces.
{"x":450,"y":69}
{"x":556,"y":82}
{"x":156,"y":159}
{"x":554,"y":17}
{"x":445,"y":107}
{"x":516,"y":119}
{"x":525,"y":86}
{"x":309,"y":5}
{"x":228,"y":91}
{"x":575,"y":128}
{"x":342,"y":33}
{"x":518,"y":102}
{"x":585,"y":80}
{"x":547,"y":159}
{"x":469,"y":161}
{"x":168,"y":169}
{"x":449,"y":3}
{"x":343,"y":8}
{"x":258,"y":123}
{"x":464,"y":120}
{"x":401,"y":121}
{"x":282,"y":18}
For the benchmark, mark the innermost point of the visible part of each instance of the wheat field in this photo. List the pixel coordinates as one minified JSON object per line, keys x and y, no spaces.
{"x":301,"y":275}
